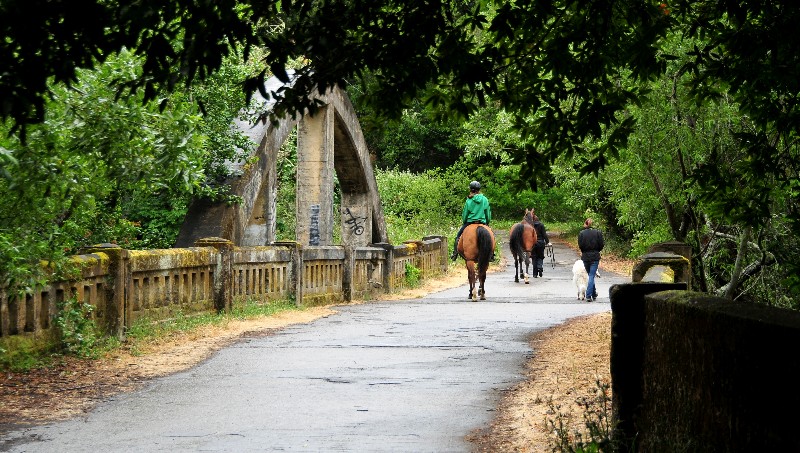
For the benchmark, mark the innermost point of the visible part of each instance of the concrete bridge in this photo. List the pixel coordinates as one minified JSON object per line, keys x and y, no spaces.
{"x":227,"y":254}
{"x":328,"y":143}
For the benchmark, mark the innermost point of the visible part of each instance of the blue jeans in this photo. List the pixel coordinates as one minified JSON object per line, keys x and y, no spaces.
{"x":591,"y":269}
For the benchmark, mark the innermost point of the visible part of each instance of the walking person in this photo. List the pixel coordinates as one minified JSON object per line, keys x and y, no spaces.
{"x":476,"y":210}
{"x":538,"y":250}
{"x":590,"y":242}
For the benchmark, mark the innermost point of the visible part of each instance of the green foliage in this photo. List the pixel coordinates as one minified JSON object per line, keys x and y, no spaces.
{"x":19,"y":353}
{"x":146,"y":330}
{"x":418,"y":205}
{"x":79,"y":335}
{"x":684,"y":176}
{"x":78,"y":332}
{"x":286,"y":210}
{"x":430,"y":203}
{"x":158,"y":222}
{"x":408,"y":195}
{"x":106,"y":169}
{"x":567,"y":73}
{"x":508,"y":194}
{"x":179,"y":42}
{"x":643,"y":239}
{"x":412,"y":275}
{"x":18,"y":268}
{"x":694,"y":101}
{"x":414,"y":142}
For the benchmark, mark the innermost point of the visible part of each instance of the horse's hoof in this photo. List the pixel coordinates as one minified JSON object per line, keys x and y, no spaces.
{"x":483,"y":296}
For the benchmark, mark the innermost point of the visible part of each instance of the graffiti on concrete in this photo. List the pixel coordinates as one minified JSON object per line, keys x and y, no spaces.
{"x":313,"y":232}
{"x":356,"y":224}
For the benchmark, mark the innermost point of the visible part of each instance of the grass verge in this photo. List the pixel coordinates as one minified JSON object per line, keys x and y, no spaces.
{"x":23,"y":354}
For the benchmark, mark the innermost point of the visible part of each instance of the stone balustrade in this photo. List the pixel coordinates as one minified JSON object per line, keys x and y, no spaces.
{"x":124,"y":286}
{"x":694,"y":372}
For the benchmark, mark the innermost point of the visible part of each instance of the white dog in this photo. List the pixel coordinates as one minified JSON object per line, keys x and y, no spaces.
{"x":581,"y":279}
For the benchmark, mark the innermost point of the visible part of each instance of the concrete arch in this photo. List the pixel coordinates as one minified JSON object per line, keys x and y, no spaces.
{"x":329,"y":142}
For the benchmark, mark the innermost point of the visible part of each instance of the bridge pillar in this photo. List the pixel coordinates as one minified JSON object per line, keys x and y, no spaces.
{"x":329,"y":143}
{"x":315,"y":173}
{"x":356,"y":219}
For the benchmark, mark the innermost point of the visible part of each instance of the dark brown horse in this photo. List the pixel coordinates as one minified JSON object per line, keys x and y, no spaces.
{"x":476,"y":245}
{"x":521,"y":241}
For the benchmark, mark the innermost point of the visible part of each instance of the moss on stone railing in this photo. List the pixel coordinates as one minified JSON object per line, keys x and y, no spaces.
{"x":694,"y":372}
{"x":124,"y":286}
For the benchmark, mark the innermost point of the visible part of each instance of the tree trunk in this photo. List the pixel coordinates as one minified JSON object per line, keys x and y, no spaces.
{"x":729,"y":290}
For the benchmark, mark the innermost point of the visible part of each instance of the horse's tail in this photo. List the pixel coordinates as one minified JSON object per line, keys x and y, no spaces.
{"x":485,"y":248}
{"x":516,"y":240}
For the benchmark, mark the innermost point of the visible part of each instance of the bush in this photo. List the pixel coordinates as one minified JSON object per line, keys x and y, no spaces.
{"x":507,"y":193}
{"x":20,"y":353}
{"x":78,"y":332}
{"x":642,"y":240}
{"x":413,"y":275}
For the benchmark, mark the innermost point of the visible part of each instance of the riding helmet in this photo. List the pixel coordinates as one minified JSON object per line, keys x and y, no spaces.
{"x":474,"y":185}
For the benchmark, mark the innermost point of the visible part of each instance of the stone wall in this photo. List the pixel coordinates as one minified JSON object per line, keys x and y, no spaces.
{"x":696,"y":373}
{"x":124,"y":286}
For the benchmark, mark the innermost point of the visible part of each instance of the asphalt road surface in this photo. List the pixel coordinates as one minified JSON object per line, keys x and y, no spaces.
{"x":398,"y":376}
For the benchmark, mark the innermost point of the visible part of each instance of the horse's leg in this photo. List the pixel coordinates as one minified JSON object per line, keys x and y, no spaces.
{"x":516,"y":268}
{"x":527,"y":263}
{"x":471,"y":277}
{"x":482,"y":280}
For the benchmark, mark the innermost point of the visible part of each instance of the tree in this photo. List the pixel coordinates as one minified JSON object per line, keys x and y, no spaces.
{"x":533,"y":52}
{"x":108,"y":169}
{"x":658,"y":190}
{"x":44,"y":40}
{"x":568,"y":71}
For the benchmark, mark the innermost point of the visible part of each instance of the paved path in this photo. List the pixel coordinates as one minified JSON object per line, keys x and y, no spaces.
{"x":401,"y":376}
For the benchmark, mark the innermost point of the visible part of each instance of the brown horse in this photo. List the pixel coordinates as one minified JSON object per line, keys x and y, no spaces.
{"x":476,"y":245}
{"x":521,"y":241}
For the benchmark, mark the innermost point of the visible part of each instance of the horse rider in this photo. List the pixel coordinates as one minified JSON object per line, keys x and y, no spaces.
{"x":476,"y":210}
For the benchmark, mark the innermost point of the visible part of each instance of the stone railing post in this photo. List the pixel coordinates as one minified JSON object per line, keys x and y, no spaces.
{"x":388,"y":265}
{"x":443,"y":255}
{"x":627,"y":352}
{"x":223,"y":274}
{"x":115,"y":310}
{"x":347,"y":273}
{"x":418,"y":254}
{"x":295,"y":270}
{"x":665,"y":262}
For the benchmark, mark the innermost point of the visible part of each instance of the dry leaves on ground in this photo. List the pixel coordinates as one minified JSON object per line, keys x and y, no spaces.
{"x":568,"y":361}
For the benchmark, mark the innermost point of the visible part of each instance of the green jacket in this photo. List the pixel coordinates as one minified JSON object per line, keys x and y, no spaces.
{"x":476,"y":209}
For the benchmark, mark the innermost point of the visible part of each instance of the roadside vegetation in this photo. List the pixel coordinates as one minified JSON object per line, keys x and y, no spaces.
{"x":78,"y":335}
{"x":668,"y":136}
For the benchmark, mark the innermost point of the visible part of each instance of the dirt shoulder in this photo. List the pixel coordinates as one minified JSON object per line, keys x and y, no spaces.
{"x":567,"y":360}
{"x":563,"y":382}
